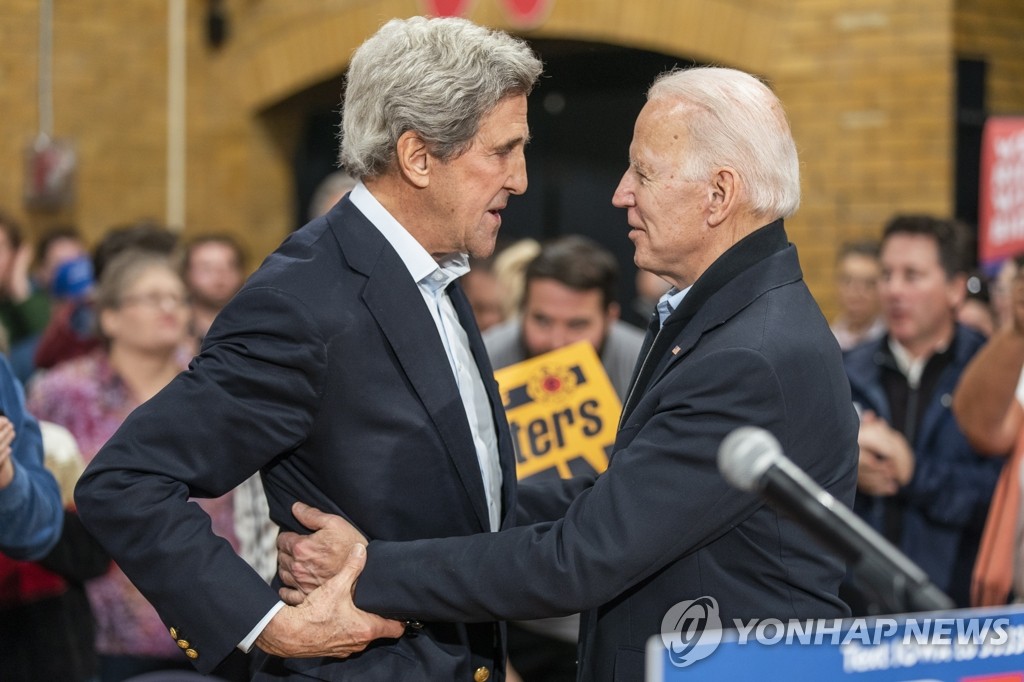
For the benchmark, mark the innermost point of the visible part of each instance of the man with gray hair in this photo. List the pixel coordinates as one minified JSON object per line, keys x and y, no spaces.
{"x":349,"y":372}
{"x":737,"y":341}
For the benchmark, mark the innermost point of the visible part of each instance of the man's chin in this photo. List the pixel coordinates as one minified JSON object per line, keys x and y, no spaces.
{"x":640,"y":260}
{"x":484,"y":248}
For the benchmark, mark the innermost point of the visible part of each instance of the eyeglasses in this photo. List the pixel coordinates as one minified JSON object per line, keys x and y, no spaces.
{"x":155,"y":300}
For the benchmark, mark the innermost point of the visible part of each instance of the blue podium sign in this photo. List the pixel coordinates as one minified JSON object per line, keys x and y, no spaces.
{"x":969,"y":645}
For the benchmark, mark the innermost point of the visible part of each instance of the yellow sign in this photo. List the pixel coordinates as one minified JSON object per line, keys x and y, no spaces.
{"x":562,"y":411}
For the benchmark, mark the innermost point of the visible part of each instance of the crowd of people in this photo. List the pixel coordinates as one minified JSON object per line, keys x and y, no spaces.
{"x":345,"y":394}
{"x":110,"y":329}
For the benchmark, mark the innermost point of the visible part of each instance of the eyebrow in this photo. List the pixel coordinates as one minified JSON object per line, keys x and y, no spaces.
{"x":512,"y":144}
{"x":639,"y":166}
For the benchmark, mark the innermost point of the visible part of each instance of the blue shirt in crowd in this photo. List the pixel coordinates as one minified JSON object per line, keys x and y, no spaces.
{"x":31,"y":514}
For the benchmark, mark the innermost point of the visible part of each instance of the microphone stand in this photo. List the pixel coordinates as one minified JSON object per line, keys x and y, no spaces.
{"x":897,"y":582}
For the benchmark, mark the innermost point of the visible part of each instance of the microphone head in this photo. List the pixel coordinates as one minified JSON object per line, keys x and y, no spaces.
{"x":746,"y":454}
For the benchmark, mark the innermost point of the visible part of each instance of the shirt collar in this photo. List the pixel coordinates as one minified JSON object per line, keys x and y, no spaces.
{"x":669,"y":301}
{"x":447,"y":271}
{"x":909,"y":367}
{"x":420,"y":264}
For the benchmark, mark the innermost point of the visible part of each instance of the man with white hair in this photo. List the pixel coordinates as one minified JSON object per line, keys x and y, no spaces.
{"x":349,"y":372}
{"x":737,"y":341}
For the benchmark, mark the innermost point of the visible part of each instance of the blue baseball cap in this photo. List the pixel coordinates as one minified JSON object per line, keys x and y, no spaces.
{"x":73,"y":278}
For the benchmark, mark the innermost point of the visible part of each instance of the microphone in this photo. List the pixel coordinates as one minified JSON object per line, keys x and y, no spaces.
{"x":751,"y":459}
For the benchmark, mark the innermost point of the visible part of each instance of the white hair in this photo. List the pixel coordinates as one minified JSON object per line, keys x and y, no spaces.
{"x":735,"y":120}
{"x":437,"y":77}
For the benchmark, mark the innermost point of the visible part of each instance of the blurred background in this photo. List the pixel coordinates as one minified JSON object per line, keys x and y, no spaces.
{"x":220,"y":115}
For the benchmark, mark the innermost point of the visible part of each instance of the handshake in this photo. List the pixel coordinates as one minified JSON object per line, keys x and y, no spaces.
{"x":319,"y":572}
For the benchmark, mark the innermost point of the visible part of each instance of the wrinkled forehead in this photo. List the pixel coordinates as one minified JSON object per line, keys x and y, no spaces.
{"x":662,"y":127}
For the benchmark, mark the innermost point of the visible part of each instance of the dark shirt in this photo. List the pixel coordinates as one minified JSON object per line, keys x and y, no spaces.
{"x":907,"y":405}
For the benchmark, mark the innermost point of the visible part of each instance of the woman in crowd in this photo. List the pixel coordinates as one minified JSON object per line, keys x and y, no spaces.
{"x":142,"y":316}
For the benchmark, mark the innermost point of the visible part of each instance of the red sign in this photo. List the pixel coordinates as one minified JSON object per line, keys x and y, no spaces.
{"x":527,"y":13}
{"x":522,"y":13}
{"x":446,"y":8}
{"x":1001,"y":195}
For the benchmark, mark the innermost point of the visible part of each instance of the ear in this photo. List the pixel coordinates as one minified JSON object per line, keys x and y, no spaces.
{"x":613,"y":311}
{"x":107,"y":322}
{"x":723,"y":189}
{"x":956,"y":290}
{"x":413,"y":159}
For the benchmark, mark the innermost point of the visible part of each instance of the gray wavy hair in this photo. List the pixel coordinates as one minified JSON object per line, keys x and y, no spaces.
{"x":437,"y":77}
{"x":736,"y":120}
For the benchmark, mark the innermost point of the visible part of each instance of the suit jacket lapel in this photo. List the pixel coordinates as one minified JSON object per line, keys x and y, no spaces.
{"x":395,"y":302}
{"x":643,"y":369}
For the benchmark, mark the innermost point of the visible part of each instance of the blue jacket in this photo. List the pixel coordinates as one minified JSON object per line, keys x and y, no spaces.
{"x":947,"y":499}
{"x":31,"y":514}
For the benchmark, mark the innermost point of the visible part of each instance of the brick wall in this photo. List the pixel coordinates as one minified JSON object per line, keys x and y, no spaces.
{"x":109,"y":97}
{"x":993,"y":30}
{"x":868,"y":87}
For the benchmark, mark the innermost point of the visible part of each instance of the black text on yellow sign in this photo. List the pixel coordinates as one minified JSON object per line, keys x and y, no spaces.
{"x":562,"y":411}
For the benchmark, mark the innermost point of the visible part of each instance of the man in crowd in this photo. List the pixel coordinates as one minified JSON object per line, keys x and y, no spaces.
{"x":569,"y":296}
{"x":330,"y":190}
{"x":349,"y":372}
{"x":214,"y":271}
{"x":713,"y":171}
{"x":857,"y":275}
{"x":920,"y":483}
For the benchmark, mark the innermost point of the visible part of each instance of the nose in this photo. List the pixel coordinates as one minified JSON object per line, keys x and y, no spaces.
{"x":891,"y":287}
{"x":517,"y":180}
{"x":559,"y":338}
{"x":623,"y":196}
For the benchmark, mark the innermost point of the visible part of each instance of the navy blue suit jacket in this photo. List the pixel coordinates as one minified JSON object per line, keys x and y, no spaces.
{"x":748,"y":346}
{"x":327,"y":375}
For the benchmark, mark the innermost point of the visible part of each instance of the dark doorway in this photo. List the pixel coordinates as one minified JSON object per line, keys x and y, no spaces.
{"x":970,"y":123}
